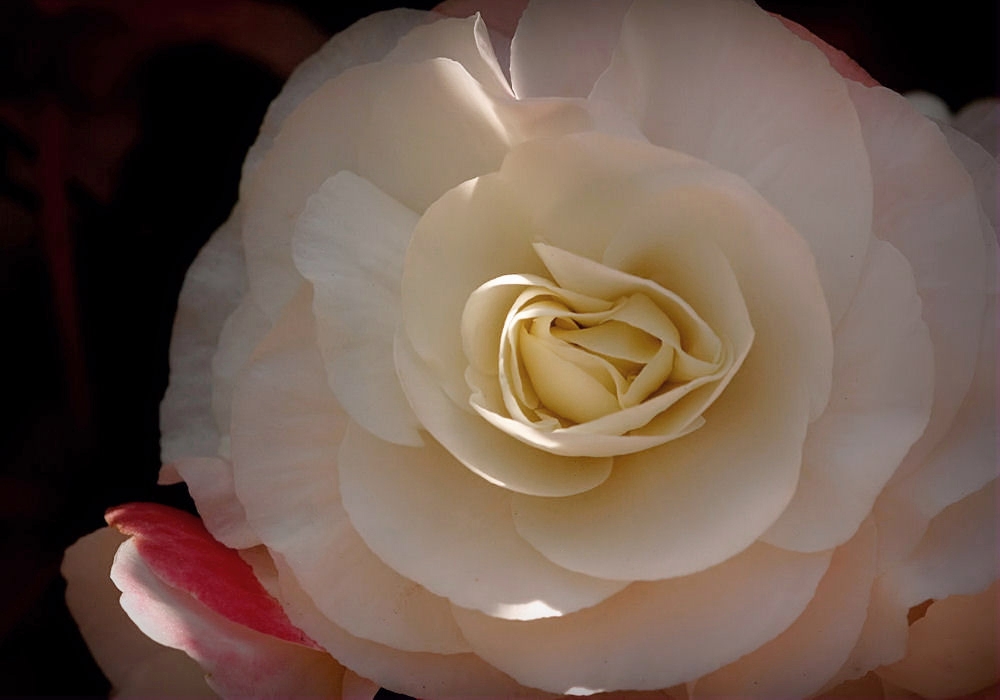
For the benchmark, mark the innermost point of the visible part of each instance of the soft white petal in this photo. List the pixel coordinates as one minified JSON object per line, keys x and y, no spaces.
{"x":286,"y":431}
{"x":135,"y":664}
{"x":958,"y":554}
{"x":366,"y":41}
{"x":210,"y":483}
{"x":730,"y":84}
{"x":418,"y":674}
{"x":464,"y":40}
{"x":490,"y":453}
{"x":800,"y":660}
{"x":883,"y":379}
{"x":350,"y":242}
{"x":561,"y":47}
{"x":212,"y":289}
{"x":927,"y":207}
{"x":437,"y":523}
{"x":655,"y":634}
{"x":952,"y":650}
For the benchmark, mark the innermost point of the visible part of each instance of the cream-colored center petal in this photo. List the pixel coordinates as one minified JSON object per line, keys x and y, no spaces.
{"x":604,"y":352}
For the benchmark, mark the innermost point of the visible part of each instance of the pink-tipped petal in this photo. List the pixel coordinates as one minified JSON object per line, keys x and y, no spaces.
{"x":181,"y":552}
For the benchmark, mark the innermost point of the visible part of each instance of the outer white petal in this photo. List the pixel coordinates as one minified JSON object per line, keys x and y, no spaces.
{"x":417,"y":674}
{"x":730,"y":84}
{"x":210,"y":482}
{"x":366,"y":41}
{"x":953,"y":649}
{"x":799,"y":661}
{"x":883,"y":379}
{"x":927,"y":206}
{"x":135,"y":664}
{"x":350,"y":242}
{"x":286,"y":431}
{"x":561,"y":48}
{"x":212,"y":289}
{"x":437,"y":523}
{"x":236,"y":660}
{"x":655,"y":634}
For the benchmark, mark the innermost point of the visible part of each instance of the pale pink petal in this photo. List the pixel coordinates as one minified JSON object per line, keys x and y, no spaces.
{"x":135,"y":664}
{"x":354,"y":687}
{"x":958,"y":554}
{"x":953,"y":649}
{"x":883,"y":380}
{"x":212,"y":289}
{"x":804,"y":657}
{"x":236,"y":659}
{"x":927,"y":206}
{"x":418,"y":674}
{"x":656,"y":634}
{"x":210,"y":483}
{"x":350,"y":242}
{"x":464,"y":40}
{"x":980,"y":121}
{"x":441,"y":525}
{"x":286,"y":431}
{"x":561,"y":48}
{"x":759,"y":102}
{"x":366,"y":41}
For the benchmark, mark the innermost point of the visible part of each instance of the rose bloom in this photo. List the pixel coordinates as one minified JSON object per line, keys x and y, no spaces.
{"x":650,"y":350}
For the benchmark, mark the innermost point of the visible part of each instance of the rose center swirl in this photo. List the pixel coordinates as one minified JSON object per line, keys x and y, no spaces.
{"x":591,"y":350}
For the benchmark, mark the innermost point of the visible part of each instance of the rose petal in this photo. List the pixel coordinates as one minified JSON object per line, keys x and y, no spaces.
{"x":237,"y":660}
{"x":704,"y":620}
{"x":800,"y":660}
{"x":494,"y":455}
{"x":286,"y":431}
{"x":883,"y":382}
{"x":366,"y":41}
{"x":210,"y":482}
{"x":212,"y":289}
{"x":953,"y":649}
{"x":179,"y":550}
{"x":942,"y":238}
{"x":417,"y":674}
{"x":464,"y":40}
{"x":759,"y":102}
{"x":135,"y":664}
{"x":433,"y":521}
{"x":350,"y":242}
{"x":586,"y":34}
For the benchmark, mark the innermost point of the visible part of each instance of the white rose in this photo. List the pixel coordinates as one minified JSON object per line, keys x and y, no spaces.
{"x":663,"y":365}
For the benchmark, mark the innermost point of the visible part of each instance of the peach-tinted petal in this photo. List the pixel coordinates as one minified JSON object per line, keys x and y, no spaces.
{"x":883,"y":386}
{"x":135,"y":664}
{"x":350,"y":242}
{"x":366,"y":41}
{"x":212,"y":289}
{"x":435,"y":522}
{"x":759,"y":102}
{"x":210,"y":483}
{"x":561,"y":48}
{"x":655,"y":634}
{"x":236,"y":659}
{"x":952,"y":650}
{"x":926,"y":206}
{"x":800,"y":660}
{"x":286,"y":431}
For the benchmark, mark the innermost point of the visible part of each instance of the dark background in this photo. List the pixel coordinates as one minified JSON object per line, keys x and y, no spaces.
{"x":123,"y":124}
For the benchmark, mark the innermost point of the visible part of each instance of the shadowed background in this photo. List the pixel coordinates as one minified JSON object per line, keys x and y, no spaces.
{"x":123,"y":126}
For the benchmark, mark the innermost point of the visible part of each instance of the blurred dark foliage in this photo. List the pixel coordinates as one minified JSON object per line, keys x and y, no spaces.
{"x":122,"y":130}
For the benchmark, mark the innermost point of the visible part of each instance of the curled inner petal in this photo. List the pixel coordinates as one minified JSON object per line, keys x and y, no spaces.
{"x":594,"y":351}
